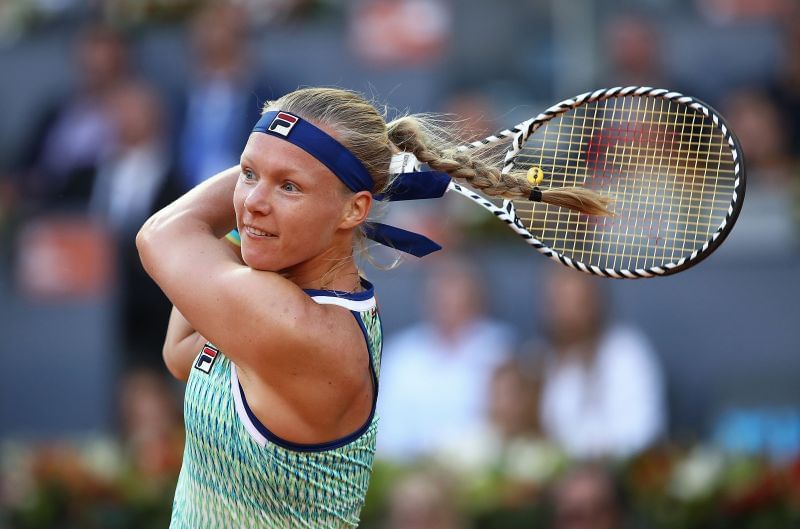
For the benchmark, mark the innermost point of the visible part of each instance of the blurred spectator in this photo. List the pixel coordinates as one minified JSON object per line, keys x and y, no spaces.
{"x":72,"y":135}
{"x":766,"y":222}
{"x":151,"y":425}
{"x":104,"y":151}
{"x":224,"y":96}
{"x":508,"y":445}
{"x":400,"y":32}
{"x":762,"y":129}
{"x":424,"y":500}
{"x":587,"y":497}
{"x":632,"y":43}
{"x":436,"y":375}
{"x":133,"y":182}
{"x":133,"y":178}
{"x":511,"y":420}
{"x":603,"y":391}
{"x":514,"y":401}
{"x":785,"y":89}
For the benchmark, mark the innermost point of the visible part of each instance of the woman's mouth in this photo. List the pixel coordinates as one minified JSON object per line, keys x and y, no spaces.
{"x":255,"y":232}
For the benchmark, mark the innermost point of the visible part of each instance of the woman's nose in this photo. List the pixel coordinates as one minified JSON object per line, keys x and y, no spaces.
{"x":257,"y":200}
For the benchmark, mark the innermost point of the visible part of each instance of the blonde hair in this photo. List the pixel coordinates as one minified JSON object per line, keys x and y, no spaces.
{"x":363,"y":130}
{"x":421,"y":136}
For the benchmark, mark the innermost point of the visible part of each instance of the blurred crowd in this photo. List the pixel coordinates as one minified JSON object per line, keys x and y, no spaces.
{"x":114,"y":149}
{"x":483,"y":424}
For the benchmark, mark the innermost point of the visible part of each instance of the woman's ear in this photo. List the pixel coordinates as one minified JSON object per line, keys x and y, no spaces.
{"x":356,"y":210}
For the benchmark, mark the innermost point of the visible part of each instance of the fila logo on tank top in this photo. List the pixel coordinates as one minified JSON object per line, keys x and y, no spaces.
{"x":206,"y":358}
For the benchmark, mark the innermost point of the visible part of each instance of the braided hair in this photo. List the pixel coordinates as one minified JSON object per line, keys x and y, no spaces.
{"x":421,"y":137}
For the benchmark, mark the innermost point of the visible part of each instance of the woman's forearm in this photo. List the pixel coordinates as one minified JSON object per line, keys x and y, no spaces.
{"x":178,"y":329}
{"x":209,"y":204}
{"x":206,"y":210}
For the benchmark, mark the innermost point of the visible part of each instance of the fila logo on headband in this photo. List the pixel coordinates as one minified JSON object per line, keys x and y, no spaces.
{"x":283,"y":123}
{"x":206,"y":359}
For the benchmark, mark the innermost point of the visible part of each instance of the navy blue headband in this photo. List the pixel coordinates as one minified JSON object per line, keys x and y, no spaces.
{"x":350,"y":170}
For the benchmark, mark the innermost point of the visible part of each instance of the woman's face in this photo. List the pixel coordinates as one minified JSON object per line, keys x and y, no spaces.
{"x":289,"y":206}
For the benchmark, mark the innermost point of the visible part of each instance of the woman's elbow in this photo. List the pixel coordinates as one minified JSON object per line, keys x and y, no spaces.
{"x":142,"y":237}
{"x":176,"y":368}
{"x":145,"y":241}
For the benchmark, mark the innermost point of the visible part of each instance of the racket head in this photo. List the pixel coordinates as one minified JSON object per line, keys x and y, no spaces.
{"x":670,"y":163}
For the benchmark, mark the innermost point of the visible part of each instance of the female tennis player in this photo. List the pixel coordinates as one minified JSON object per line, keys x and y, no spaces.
{"x":281,"y":343}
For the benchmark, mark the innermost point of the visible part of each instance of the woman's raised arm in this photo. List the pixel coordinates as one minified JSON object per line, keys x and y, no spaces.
{"x":256,"y":317}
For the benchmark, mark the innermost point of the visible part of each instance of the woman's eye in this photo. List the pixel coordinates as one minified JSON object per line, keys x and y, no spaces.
{"x":288,"y":186}
{"x":248,"y":174}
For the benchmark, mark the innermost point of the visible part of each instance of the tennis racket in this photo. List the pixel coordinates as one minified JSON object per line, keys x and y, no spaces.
{"x":669,"y":162}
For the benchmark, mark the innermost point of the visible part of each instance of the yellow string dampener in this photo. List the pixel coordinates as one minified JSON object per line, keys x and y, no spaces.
{"x":535,"y":175}
{"x":575,"y":198}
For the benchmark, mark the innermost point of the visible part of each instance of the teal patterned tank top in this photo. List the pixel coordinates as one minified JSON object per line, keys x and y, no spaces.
{"x":238,"y":474}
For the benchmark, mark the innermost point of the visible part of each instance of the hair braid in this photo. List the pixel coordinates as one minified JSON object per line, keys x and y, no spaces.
{"x":408,"y":135}
{"x":424,"y":140}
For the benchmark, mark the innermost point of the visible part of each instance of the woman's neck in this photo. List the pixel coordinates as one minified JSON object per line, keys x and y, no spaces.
{"x":326,"y":272}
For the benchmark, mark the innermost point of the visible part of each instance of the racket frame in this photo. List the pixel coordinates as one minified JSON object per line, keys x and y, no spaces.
{"x":521,"y":132}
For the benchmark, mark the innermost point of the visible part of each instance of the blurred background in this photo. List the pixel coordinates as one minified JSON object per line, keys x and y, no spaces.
{"x":513,"y":393}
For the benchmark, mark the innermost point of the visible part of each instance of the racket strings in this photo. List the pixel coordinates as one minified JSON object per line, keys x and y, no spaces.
{"x":668,"y":169}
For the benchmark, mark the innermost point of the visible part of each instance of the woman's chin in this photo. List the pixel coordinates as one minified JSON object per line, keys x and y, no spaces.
{"x":260,"y":268}
{"x":258,"y":262}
